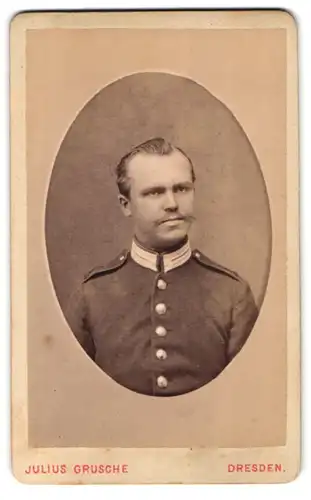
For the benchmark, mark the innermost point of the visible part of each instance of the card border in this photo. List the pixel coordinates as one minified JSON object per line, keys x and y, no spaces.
{"x":179,"y":464}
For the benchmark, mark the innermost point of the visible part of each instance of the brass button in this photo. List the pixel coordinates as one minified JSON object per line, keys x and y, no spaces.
{"x":161,"y":331}
{"x":160,"y":308}
{"x":161,"y":284}
{"x":162,"y":382}
{"x":161,"y":354}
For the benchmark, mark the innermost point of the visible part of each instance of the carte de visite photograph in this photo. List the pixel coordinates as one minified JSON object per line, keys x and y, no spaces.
{"x":155,"y":247}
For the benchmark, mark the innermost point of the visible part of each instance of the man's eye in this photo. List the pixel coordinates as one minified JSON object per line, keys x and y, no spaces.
{"x":182,"y":189}
{"x":154,"y":193}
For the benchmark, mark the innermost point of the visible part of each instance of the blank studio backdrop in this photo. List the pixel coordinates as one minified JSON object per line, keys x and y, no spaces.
{"x":84,"y":224}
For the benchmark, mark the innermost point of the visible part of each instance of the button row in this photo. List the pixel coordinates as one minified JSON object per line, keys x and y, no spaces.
{"x":161,"y":332}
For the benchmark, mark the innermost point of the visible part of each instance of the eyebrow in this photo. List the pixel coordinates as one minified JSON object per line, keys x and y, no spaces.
{"x":186,"y":184}
{"x":162,"y":189}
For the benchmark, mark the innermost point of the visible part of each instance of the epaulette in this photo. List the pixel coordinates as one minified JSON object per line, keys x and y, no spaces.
{"x":113,"y":265}
{"x":207,"y":262}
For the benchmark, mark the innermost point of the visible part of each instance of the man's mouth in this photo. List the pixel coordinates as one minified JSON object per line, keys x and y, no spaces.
{"x":174,"y":218}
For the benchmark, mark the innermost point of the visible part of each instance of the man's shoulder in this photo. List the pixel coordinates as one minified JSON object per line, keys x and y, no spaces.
{"x":112,"y":266}
{"x":214,"y":267}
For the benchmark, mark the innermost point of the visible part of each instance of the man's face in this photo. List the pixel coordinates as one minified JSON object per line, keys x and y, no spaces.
{"x":161,"y":198}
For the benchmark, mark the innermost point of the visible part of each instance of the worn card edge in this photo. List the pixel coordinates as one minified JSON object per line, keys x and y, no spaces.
{"x":192,"y":20}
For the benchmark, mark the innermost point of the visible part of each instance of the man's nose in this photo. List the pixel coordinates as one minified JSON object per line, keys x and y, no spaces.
{"x":170,"y":201}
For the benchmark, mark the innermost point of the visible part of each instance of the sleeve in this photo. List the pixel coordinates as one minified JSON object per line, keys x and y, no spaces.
{"x":76,"y":315}
{"x":244,"y":316}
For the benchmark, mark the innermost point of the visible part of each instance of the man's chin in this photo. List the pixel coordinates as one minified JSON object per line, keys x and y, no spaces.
{"x":171,"y":239}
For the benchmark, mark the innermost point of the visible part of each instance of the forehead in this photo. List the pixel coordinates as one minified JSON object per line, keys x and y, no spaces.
{"x":153,"y":169}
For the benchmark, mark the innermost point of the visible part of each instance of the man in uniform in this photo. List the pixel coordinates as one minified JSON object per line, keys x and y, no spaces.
{"x":161,"y":319}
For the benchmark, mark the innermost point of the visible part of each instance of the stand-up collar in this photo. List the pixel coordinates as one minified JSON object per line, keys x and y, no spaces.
{"x":160,"y":262}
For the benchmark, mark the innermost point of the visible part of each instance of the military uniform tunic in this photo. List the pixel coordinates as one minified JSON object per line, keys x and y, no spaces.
{"x":162,"y":325}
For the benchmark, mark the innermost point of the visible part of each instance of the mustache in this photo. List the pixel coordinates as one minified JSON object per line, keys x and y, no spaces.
{"x":186,"y":218}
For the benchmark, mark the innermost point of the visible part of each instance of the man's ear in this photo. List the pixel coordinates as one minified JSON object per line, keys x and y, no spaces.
{"x":125,"y":205}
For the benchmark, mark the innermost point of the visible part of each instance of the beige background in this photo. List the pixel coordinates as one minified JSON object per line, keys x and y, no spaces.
{"x":71,"y":402}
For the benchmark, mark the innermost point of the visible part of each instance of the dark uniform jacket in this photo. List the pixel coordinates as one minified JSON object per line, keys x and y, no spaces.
{"x":162,"y":325}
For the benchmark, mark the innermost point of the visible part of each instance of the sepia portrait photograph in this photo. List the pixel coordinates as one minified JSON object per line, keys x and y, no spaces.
{"x":161,"y":318}
{"x":155,"y":197}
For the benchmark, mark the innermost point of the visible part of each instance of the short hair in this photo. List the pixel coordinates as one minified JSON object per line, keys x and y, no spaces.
{"x":156,"y":146}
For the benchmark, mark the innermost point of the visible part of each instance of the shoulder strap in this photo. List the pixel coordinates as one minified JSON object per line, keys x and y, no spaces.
{"x":113,"y":265}
{"x":210,"y":264}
